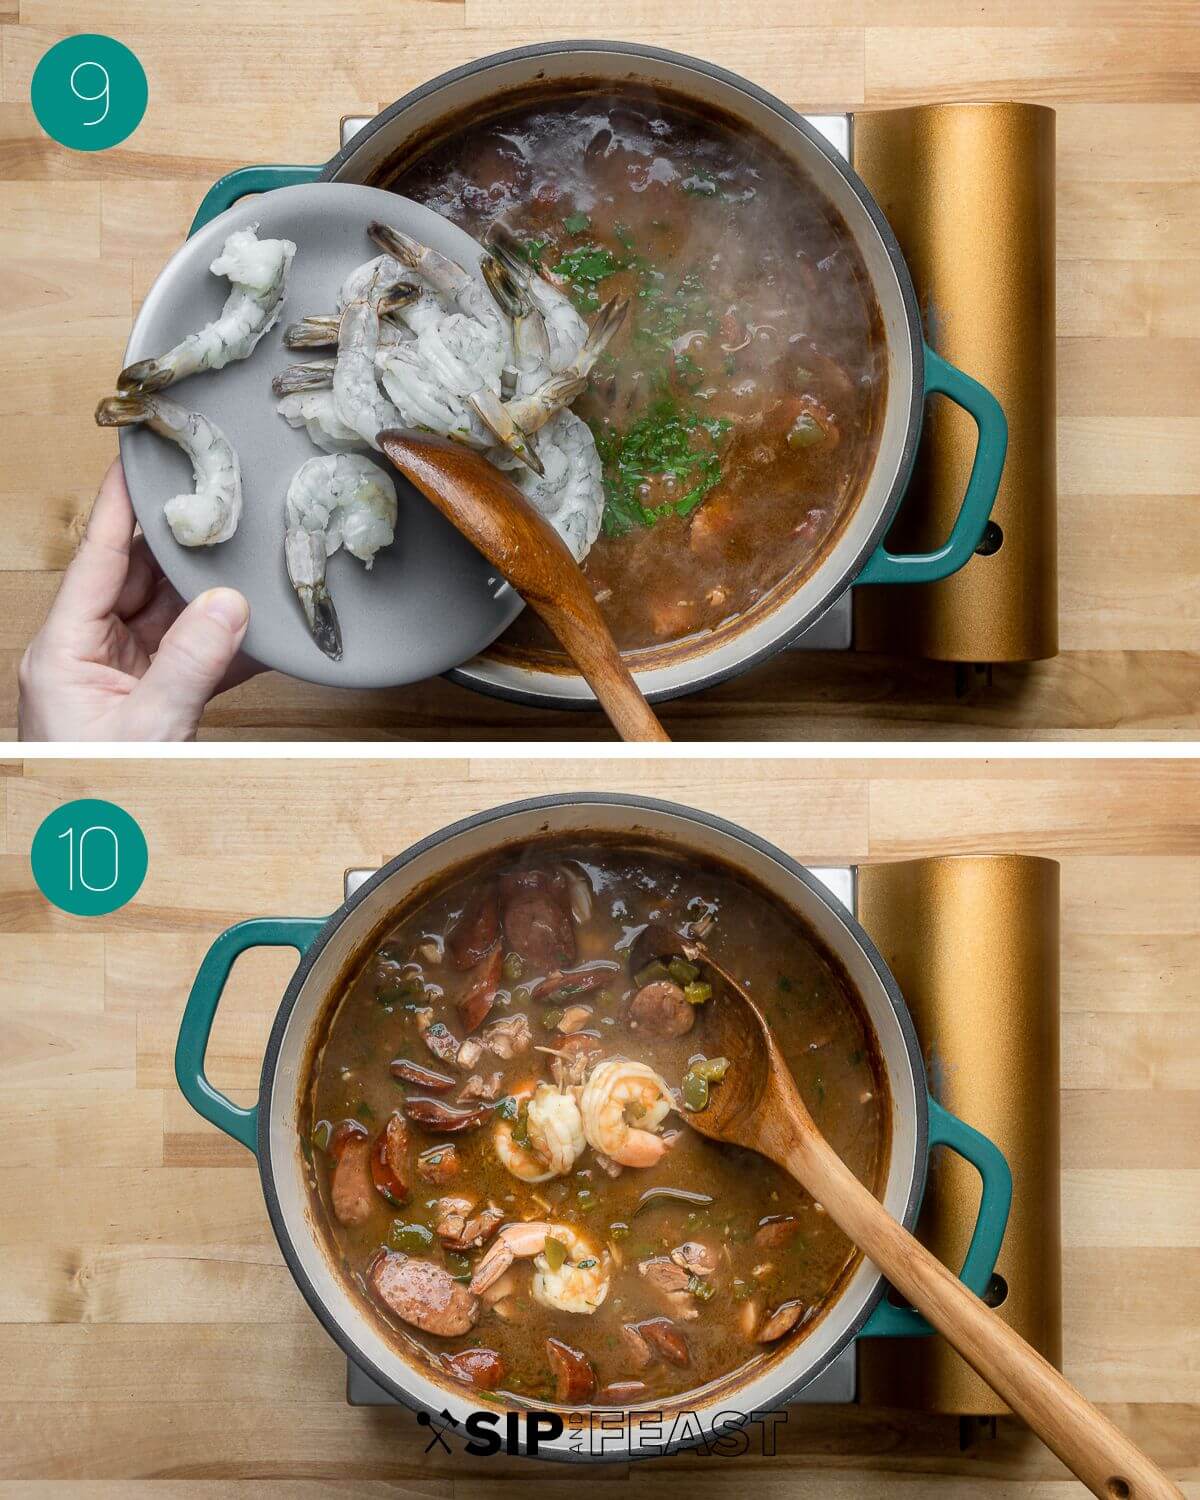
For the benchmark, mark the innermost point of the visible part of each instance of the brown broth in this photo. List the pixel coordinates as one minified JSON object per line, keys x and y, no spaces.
{"x":820,"y":1029}
{"x":753,"y":318}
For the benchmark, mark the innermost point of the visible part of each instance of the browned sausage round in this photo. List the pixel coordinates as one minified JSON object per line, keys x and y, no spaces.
{"x":536,"y":914}
{"x":574,"y":1378}
{"x":660,"y":1009}
{"x":423,"y":1294}
{"x":482,"y":1368}
{"x":476,"y":932}
{"x":389,"y":1160}
{"x":666,"y":1340}
{"x":350,"y":1189}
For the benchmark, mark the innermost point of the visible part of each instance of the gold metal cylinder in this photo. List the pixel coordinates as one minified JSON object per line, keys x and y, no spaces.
{"x":969,"y":191}
{"x":974,"y":945}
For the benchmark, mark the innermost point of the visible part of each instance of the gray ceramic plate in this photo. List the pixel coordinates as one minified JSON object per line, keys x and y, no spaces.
{"x":430,"y":601}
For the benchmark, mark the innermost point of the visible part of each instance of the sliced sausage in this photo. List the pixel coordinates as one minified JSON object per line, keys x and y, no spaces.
{"x":666,"y":1341}
{"x":535,"y":911}
{"x":389,"y":1160}
{"x":638,"y":1353}
{"x":660,"y":1009}
{"x":423,"y":1294}
{"x":439,"y":1165}
{"x":447,"y":1119}
{"x":483,"y":1368}
{"x":574,"y":1378}
{"x":775,"y":1231}
{"x":351,"y":1189}
{"x":481,"y":993}
{"x":477,"y":931}
{"x":421,"y":1077}
{"x":781,"y":1321}
{"x":566,"y":986}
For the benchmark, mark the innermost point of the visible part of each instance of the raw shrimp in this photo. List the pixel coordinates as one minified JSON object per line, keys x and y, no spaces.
{"x":421,"y":399}
{"x":573,"y":1278}
{"x":623,"y":1103}
{"x":211,"y":514}
{"x":320,"y":331}
{"x":257,"y":270}
{"x":565,"y":330}
{"x":357,"y":399}
{"x":447,"y":278}
{"x":314,"y":411}
{"x":459,"y":354}
{"x":525,"y":414}
{"x":570,"y":491}
{"x":341,"y":499}
{"x":555,"y":1128}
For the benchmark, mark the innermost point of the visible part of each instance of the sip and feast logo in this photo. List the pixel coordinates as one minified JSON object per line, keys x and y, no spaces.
{"x":484,"y":1433}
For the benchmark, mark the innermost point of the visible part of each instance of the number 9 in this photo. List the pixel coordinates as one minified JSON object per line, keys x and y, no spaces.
{"x":90,"y":98}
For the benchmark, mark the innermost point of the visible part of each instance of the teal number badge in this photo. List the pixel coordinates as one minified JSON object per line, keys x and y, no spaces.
{"x":89,"y":92}
{"x":89,"y":857}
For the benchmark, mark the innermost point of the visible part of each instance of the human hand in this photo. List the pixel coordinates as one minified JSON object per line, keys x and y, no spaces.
{"x":119,"y":657}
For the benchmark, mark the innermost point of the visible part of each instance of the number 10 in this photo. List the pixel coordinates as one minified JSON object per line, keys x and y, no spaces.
{"x":69,"y":835}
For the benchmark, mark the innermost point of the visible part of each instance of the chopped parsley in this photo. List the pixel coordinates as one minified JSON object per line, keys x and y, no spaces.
{"x":666,"y":442}
{"x":576,"y":223}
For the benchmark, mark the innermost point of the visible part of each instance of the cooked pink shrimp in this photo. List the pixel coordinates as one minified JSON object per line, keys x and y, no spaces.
{"x":570,"y":1274}
{"x":623,"y":1103}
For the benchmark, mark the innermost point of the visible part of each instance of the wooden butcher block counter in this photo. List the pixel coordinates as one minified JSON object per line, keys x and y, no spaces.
{"x":152,"y":1341}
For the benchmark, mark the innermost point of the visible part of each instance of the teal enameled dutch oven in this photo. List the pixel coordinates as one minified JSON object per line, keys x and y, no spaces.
{"x":327,"y":947}
{"x":858,"y":555}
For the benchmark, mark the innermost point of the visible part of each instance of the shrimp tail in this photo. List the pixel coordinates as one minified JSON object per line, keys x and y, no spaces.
{"x":604,"y":325}
{"x":309,"y":377}
{"x":122,"y":411}
{"x":304,"y":553}
{"x":319,"y":331}
{"x":507,"y":249}
{"x":145,"y":376}
{"x":396,"y":243}
{"x":492,"y":413}
{"x":502,"y":286}
{"x":396,"y":297}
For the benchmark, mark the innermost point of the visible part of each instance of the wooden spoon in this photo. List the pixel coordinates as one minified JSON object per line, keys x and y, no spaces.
{"x":496,"y":518}
{"x":756,"y":1105}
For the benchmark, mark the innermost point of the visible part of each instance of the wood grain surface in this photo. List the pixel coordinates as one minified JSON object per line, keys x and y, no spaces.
{"x":148,"y":1329}
{"x":81,"y":239}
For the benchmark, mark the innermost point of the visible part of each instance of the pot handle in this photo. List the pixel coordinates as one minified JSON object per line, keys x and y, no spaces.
{"x":201,"y":1008}
{"x":927,"y":567}
{"x":945,"y":1129}
{"x":226,"y":191}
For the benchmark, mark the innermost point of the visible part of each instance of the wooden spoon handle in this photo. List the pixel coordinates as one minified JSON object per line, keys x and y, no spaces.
{"x":1083,"y":1437}
{"x":583,"y":633}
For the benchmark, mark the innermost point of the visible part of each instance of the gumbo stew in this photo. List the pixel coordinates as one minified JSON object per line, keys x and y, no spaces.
{"x":737,"y":413}
{"x":496,"y":1119}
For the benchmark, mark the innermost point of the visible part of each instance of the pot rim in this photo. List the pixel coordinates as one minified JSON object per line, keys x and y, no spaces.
{"x":726,"y":829}
{"x":690,"y":668}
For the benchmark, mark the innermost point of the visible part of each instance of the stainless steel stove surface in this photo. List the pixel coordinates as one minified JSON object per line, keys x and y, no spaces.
{"x":834,"y":631}
{"x":836,"y":1385}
